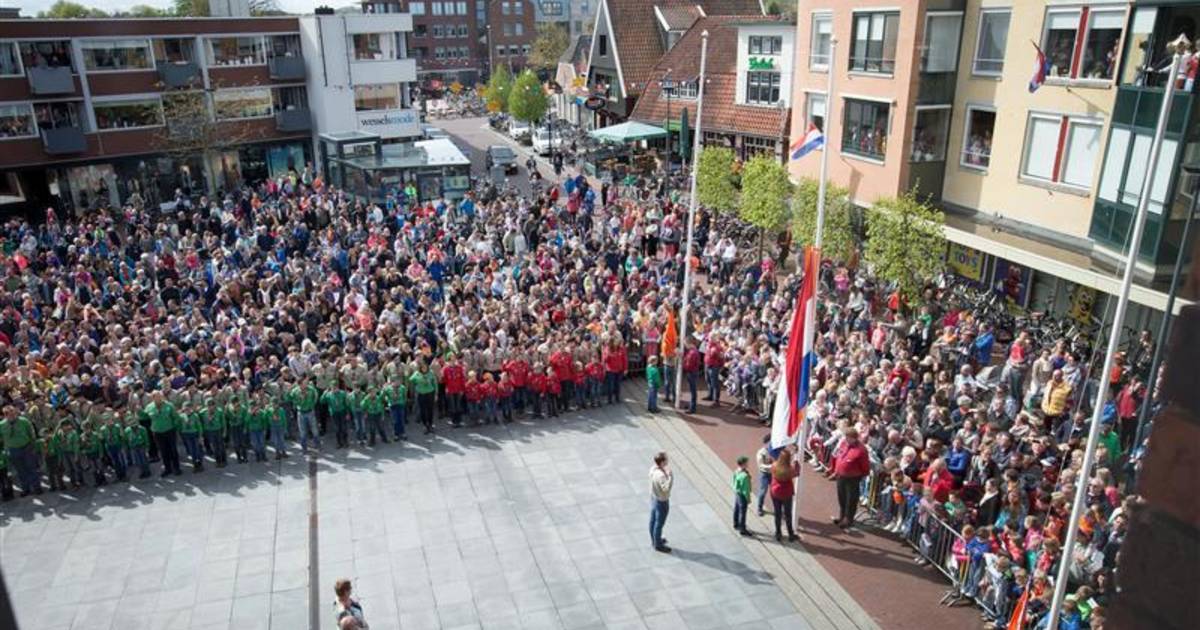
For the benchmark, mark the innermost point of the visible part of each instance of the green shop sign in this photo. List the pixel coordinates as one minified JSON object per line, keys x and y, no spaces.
{"x":762,"y":63}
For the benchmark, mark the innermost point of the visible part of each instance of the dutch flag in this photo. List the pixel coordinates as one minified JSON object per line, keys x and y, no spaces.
{"x":792,"y":397}
{"x":813,"y":139}
{"x":1040,"y":71}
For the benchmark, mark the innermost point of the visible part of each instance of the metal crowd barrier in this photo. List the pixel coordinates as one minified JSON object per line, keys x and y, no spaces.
{"x":938,"y":543}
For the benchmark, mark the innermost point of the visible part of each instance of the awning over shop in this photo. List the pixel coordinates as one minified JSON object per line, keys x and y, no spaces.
{"x":629,"y":131}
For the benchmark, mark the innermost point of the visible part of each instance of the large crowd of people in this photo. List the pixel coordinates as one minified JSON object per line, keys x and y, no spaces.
{"x":238,"y":325}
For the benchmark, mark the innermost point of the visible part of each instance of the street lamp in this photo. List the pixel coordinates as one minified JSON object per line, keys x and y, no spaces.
{"x":491,"y":63}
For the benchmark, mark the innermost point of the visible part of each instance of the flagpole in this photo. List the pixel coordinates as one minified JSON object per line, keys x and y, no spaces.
{"x":817,"y":240}
{"x":691,"y":228}
{"x":1114,"y":341}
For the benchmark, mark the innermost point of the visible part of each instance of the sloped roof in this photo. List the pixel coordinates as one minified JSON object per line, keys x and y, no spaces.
{"x":680,"y":18}
{"x":577,"y":51}
{"x":720,"y":112}
{"x":636,"y":31}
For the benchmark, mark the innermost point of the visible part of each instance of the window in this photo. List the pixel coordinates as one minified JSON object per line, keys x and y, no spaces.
{"x":519,"y":7}
{"x":242,"y":103}
{"x":500,"y":50}
{"x":520,"y":29}
{"x":514,"y":50}
{"x":462,"y":30}
{"x":874,"y":48}
{"x":762,"y":88}
{"x":752,"y":146}
{"x":173,"y":50}
{"x":439,"y":52}
{"x":506,"y":8}
{"x":552,"y":8}
{"x":16,"y":121}
{"x":128,"y":114}
{"x":602,"y":45}
{"x":1092,"y":57}
{"x":379,"y":46}
{"x":930,"y":129}
{"x":51,"y":54}
{"x":602,"y":82}
{"x":865,"y":128}
{"x":379,"y":96}
{"x":462,"y":8}
{"x":822,"y":35}
{"x":116,"y":54}
{"x":464,"y":52}
{"x":236,"y":51}
{"x":814,"y":111}
{"x":420,"y":30}
{"x":508,"y":29}
{"x":10,"y":59}
{"x":1132,"y":163}
{"x":436,"y":8}
{"x":525,"y":49}
{"x":416,"y":8}
{"x":763,"y":45}
{"x":941,"y":42}
{"x":993,"y":38}
{"x":1140,"y":50}
{"x":1061,"y":149}
{"x":290,"y":98}
{"x":684,"y":89}
{"x":438,"y":31}
{"x":977,"y":139}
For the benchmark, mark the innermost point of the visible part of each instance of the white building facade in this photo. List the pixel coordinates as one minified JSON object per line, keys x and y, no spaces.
{"x":359,"y":75}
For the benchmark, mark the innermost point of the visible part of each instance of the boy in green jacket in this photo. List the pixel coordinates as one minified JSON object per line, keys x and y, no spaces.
{"x":375,"y":405}
{"x":191,"y":423}
{"x":235,"y":424}
{"x":93,"y":448}
{"x":277,"y":419}
{"x":112,"y":435}
{"x":214,"y":430}
{"x":741,"y":496}
{"x":257,"y":417}
{"x":397,"y":398}
{"x":72,"y":453}
{"x":137,"y":440}
{"x":654,"y":380}
{"x":51,"y":451}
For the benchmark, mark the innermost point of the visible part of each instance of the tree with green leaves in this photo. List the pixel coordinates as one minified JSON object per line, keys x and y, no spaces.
{"x":527,"y":101}
{"x":715,"y":185}
{"x":551,"y":43}
{"x":191,"y":8}
{"x":765,"y":194}
{"x":67,"y":10}
{"x":498,"y":88}
{"x":840,"y":241}
{"x":146,"y":11}
{"x":906,"y":242}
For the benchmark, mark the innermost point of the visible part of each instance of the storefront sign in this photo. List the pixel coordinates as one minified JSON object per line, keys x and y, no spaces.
{"x":594,"y":103}
{"x":762,"y":63}
{"x":395,"y":123}
{"x":1012,"y":281}
{"x":966,"y":262}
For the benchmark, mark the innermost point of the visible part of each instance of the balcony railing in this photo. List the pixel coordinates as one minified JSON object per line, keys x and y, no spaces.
{"x":178,"y":75}
{"x":297,"y":119}
{"x":63,"y":140}
{"x":43,"y":81}
{"x":287,"y":68}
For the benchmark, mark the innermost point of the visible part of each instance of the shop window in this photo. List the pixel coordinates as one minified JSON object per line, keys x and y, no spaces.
{"x":865,"y":128}
{"x":379,"y":96}
{"x":752,"y":146}
{"x":47,"y":54}
{"x":16,"y":121}
{"x":992,"y":42}
{"x":242,"y":103}
{"x":873,"y":46}
{"x":116,"y":54}
{"x":129,"y":114}
{"x":236,"y":51}
{"x":977,"y":139}
{"x":929,"y":134}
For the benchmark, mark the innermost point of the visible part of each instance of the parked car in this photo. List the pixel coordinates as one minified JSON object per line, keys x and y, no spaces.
{"x":498,"y":121}
{"x":544,"y":141}
{"x":518,"y":130}
{"x":502,"y":156}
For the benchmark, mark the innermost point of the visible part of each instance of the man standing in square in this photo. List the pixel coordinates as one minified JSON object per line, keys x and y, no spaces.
{"x":661,"y":480}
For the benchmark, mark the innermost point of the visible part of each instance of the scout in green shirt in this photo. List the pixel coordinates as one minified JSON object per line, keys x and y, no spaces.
{"x":337,"y":402}
{"x":397,"y":399}
{"x":50,"y":446}
{"x":277,"y":419}
{"x":16,"y":432}
{"x":741,"y":496}
{"x":304,"y":397}
{"x":113,"y":437}
{"x":235,"y":421}
{"x":214,"y":429}
{"x":654,"y":381}
{"x":138,"y":440}
{"x":424,"y":384}
{"x":374,"y":405}
{"x":191,"y":425}
{"x":72,"y":456}
{"x":93,"y":448}
{"x":257,"y":416}
{"x":164,"y":424}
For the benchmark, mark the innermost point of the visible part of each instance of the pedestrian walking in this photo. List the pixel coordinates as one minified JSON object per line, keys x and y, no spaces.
{"x":850,"y":464}
{"x":741,"y":496}
{"x":783,"y":492}
{"x":661,"y":480}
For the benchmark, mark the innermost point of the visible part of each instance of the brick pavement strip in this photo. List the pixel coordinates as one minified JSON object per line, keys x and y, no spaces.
{"x":816,"y":594}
